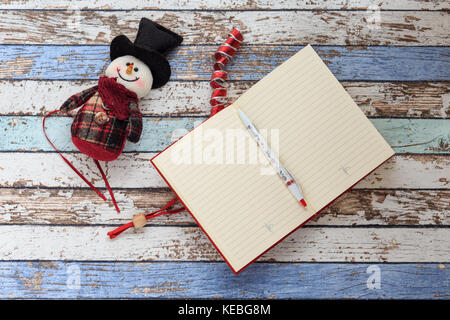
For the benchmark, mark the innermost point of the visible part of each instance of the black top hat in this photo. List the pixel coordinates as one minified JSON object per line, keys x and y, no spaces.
{"x":151,"y":43}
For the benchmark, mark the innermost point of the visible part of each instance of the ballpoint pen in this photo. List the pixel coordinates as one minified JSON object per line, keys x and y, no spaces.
{"x":282,"y":171}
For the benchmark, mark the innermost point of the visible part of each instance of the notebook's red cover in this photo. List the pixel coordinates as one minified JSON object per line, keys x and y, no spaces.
{"x":295,"y":229}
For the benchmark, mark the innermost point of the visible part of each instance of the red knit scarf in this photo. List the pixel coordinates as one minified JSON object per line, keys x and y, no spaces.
{"x":115,"y":97}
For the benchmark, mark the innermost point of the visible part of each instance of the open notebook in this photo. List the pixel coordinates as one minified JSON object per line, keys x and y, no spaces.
{"x":322,"y":137}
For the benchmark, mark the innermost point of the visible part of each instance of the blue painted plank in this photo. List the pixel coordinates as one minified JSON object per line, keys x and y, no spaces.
{"x":251,"y":63}
{"x":25,"y":133}
{"x":214,"y":280}
{"x":415,"y":135}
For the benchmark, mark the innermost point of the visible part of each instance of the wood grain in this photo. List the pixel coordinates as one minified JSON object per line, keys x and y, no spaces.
{"x":228,"y":4}
{"x":133,"y":170}
{"x":398,"y":217}
{"x":22,"y":133}
{"x":51,"y":62}
{"x":315,"y":244}
{"x":84,"y":207}
{"x":376,"y":99}
{"x":422,"y":28}
{"x":118,"y":280}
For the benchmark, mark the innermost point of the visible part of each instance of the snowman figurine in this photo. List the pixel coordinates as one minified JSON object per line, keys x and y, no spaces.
{"x":109,"y":112}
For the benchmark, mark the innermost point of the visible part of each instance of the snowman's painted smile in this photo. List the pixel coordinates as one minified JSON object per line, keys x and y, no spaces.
{"x":118,"y":72}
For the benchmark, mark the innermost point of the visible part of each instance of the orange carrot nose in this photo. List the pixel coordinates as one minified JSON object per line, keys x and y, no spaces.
{"x":130,"y":68}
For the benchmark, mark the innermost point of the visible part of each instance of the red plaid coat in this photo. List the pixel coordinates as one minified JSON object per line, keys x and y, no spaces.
{"x":110,"y":136}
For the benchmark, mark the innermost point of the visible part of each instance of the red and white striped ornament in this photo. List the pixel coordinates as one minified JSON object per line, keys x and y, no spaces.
{"x":222,"y":57}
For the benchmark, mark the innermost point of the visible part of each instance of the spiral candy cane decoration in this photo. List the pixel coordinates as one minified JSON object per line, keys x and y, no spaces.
{"x":222,"y":57}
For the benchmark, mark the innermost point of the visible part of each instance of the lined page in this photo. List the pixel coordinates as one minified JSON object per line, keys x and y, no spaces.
{"x":326,"y":141}
{"x":323,"y":139}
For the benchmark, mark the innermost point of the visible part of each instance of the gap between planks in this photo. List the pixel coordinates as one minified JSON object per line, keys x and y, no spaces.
{"x":423,"y":28}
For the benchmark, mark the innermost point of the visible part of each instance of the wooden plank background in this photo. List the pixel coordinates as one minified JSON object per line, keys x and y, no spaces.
{"x":53,"y":240}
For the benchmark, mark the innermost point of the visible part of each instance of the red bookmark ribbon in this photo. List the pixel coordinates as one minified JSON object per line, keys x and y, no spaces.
{"x":148,"y":216}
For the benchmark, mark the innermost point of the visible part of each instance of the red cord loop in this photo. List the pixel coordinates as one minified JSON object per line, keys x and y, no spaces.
{"x":67,"y":161}
{"x":107,"y":185}
{"x":78,"y":172}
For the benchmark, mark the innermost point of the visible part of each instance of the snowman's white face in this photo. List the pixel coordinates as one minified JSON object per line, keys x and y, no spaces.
{"x":132,"y":73}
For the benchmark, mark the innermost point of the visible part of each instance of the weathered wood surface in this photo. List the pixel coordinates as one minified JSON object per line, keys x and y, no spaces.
{"x":423,"y":28}
{"x":84,"y":207}
{"x":313,"y":244}
{"x":34,"y":169}
{"x":77,"y":62}
{"x":228,"y":4}
{"x":376,"y":99}
{"x":25,"y":133}
{"x":56,"y":279}
{"x":399,"y":214}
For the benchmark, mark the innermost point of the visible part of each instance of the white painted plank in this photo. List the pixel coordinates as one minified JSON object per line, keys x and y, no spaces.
{"x":227,"y":4}
{"x":406,"y":28}
{"x":49,"y":170}
{"x":174,"y":98}
{"x":386,"y":99}
{"x":135,"y":171}
{"x":190,"y":244}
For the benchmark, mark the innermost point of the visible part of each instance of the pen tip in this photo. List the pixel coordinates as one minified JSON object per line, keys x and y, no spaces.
{"x":303,"y":202}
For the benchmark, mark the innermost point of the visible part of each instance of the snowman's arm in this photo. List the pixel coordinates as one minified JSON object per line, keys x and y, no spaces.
{"x":78,"y":99}
{"x":134,"y":123}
